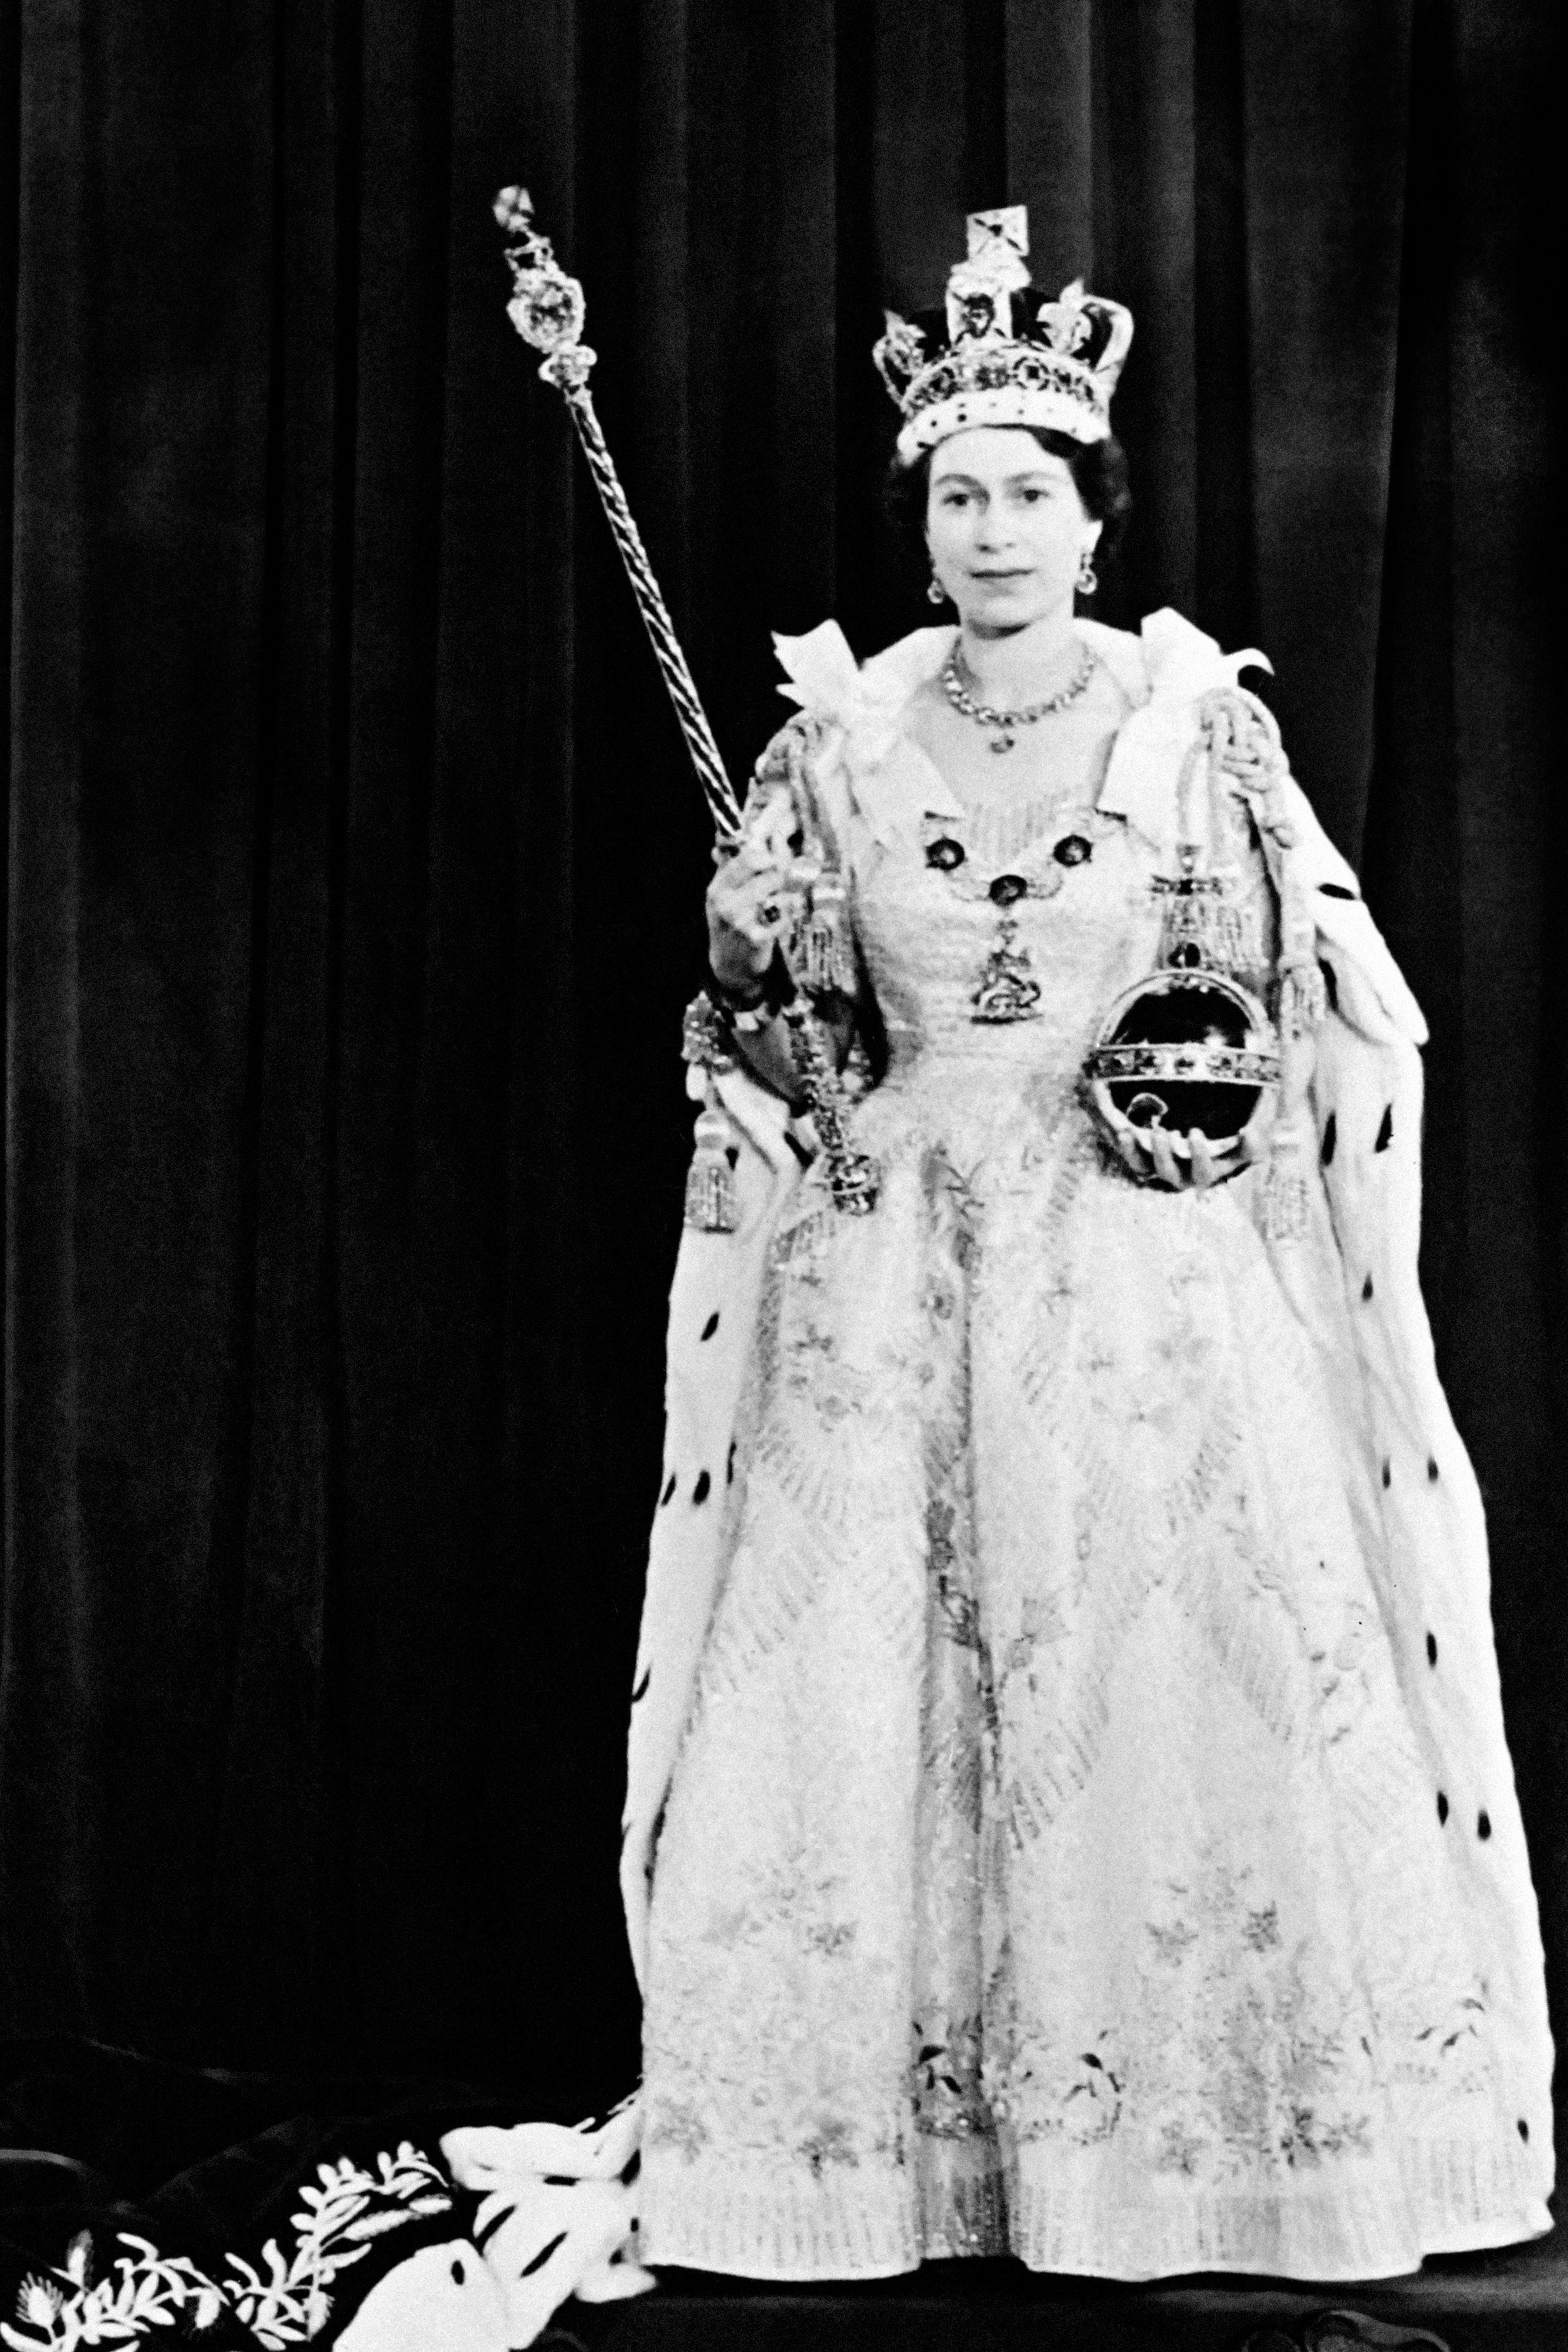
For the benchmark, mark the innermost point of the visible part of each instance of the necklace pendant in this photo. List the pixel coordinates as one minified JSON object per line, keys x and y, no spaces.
{"x":1002,"y":743}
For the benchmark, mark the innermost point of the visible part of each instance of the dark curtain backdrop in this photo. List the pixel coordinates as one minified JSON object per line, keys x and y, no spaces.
{"x":354,"y":873}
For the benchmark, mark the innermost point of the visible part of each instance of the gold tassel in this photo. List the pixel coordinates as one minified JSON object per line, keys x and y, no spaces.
{"x":1239,"y":935}
{"x":826,"y":955}
{"x":1286,"y":1203}
{"x":711,"y":1178}
{"x":1303,"y":998}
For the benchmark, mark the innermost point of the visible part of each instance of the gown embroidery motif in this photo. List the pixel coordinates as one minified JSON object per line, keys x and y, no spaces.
{"x":1051,"y":1865}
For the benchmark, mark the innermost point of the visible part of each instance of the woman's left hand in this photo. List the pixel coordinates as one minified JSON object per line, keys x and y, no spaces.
{"x":1194,"y":1174}
{"x":1203,"y":1166}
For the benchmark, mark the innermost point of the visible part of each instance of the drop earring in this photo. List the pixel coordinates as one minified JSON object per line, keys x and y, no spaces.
{"x":1088,"y":579}
{"x":936,"y":593}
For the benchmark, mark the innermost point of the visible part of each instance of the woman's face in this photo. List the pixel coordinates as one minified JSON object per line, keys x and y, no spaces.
{"x":1006,"y":527}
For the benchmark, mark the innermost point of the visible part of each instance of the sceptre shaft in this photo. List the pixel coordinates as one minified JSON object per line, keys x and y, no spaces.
{"x":548,"y":310}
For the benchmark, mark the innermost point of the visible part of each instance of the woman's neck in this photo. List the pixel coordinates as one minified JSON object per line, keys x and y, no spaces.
{"x":1013,"y":666}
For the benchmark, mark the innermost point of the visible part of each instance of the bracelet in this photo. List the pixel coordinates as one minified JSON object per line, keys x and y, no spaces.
{"x":747,"y":1020}
{"x":727,"y":999}
{"x":746,"y":1015}
{"x":742,"y":1020}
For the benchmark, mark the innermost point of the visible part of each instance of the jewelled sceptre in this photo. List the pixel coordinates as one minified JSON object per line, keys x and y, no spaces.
{"x":548,"y":310}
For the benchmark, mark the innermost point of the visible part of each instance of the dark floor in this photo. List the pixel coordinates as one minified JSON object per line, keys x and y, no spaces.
{"x":1516,"y":2299}
{"x":204,"y":2163}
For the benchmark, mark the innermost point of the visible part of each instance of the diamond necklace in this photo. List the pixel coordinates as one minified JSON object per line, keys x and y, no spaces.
{"x":957,"y":679}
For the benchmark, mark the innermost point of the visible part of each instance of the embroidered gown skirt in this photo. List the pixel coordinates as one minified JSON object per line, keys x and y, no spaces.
{"x":1051,"y":1865}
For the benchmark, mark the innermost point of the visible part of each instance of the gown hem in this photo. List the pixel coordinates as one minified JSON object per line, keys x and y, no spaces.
{"x":800,"y":2236}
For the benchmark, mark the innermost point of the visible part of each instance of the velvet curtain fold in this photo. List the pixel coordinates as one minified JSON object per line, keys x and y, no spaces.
{"x":354,"y":877}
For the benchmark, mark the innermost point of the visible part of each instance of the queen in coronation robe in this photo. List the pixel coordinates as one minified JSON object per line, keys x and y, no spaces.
{"x":1069,"y":1813}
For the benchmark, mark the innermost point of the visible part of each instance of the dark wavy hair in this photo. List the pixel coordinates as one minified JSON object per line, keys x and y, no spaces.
{"x":1098,"y":469}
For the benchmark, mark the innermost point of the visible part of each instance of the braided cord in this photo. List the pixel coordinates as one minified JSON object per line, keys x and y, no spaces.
{"x":679,"y":683}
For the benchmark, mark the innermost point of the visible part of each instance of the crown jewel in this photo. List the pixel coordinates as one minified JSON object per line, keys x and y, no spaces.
{"x":999,"y":353}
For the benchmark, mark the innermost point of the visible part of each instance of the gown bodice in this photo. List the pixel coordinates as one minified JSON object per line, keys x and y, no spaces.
{"x":1060,"y":889}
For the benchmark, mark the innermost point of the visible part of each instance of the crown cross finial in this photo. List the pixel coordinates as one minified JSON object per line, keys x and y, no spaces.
{"x":1004,"y":225}
{"x":999,"y":351}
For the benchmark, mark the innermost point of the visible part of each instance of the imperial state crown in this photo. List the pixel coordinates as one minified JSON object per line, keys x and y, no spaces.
{"x":999,"y":351}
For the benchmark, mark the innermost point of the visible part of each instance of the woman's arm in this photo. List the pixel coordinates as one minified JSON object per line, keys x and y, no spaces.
{"x":747,"y":905}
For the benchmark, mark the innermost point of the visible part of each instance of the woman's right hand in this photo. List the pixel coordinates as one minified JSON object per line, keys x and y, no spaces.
{"x":745,"y":910}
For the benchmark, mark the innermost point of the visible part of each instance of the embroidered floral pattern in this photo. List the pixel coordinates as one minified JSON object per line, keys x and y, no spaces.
{"x":945,"y":2079}
{"x":282,"y":2299}
{"x":1050,"y":1821}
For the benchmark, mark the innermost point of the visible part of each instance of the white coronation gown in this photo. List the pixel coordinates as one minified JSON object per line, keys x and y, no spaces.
{"x":1084,"y":1828}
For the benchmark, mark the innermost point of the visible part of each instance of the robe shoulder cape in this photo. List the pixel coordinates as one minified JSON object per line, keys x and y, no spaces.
{"x":1365,"y":1101}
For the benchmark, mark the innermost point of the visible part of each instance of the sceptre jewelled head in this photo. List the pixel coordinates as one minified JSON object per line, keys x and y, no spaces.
{"x":999,"y":351}
{"x":546,"y":306}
